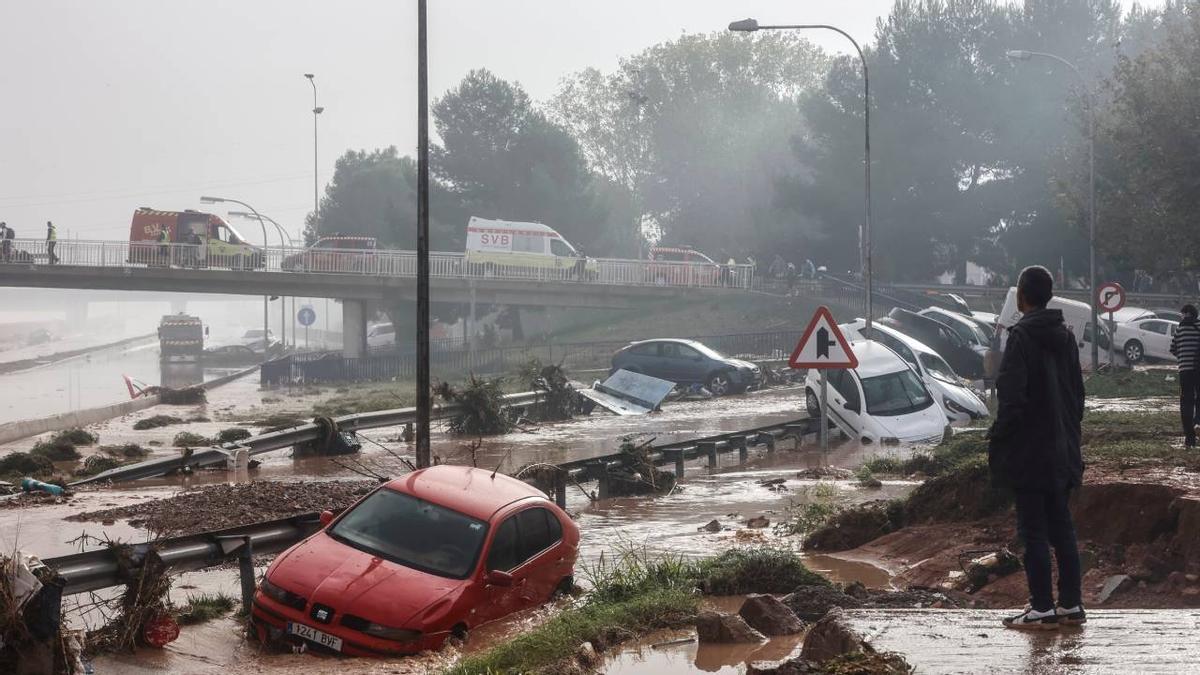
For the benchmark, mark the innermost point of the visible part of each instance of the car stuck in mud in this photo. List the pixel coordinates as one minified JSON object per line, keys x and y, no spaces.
{"x":418,"y":561}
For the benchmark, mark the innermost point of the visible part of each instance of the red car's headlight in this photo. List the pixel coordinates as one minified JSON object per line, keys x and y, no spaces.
{"x":389,"y":633}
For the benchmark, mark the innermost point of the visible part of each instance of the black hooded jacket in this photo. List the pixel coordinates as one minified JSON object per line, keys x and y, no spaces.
{"x":1034,"y":441}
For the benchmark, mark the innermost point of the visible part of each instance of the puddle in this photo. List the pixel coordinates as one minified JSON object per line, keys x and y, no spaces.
{"x":1148,"y":404}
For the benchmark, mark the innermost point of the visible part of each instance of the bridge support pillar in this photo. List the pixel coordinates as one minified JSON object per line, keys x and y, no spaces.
{"x":354,"y":329}
{"x":709,"y":448}
{"x":739,"y":442}
{"x":680,"y":463}
{"x":560,"y":489}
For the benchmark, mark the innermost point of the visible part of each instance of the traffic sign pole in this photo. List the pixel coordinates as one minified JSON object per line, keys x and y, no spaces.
{"x":1110,"y":297}
{"x":824,"y":412}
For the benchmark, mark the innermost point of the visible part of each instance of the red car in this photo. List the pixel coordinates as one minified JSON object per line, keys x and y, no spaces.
{"x":691,"y":268}
{"x":420,"y":559}
{"x":338,"y":253}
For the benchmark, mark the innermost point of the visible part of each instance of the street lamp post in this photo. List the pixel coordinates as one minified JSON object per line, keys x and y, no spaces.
{"x":282,"y":246}
{"x":317,"y":110}
{"x":423,"y":389}
{"x":750,"y":26}
{"x":1025,"y":55}
{"x":266,"y":245}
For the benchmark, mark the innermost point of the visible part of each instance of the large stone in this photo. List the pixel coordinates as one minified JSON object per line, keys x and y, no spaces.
{"x":769,"y":616}
{"x":810,"y":603}
{"x":830,"y":637}
{"x":1111,"y":585}
{"x":789,"y":667}
{"x":718,"y":627}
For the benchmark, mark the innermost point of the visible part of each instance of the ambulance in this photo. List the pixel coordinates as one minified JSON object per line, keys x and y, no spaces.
{"x":496,"y":245}
{"x":220,"y":245}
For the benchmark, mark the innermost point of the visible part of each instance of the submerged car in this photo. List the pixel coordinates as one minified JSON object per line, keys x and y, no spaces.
{"x":966,"y":357}
{"x":421,"y":559}
{"x":687,"y":362}
{"x":880,"y":401}
{"x":956,"y":398}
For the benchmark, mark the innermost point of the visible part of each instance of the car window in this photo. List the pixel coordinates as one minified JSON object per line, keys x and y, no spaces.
{"x":1159,"y":327}
{"x":650,"y":349}
{"x":686,"y":352}
{"x":894,"y":344}
{"x":536,"y":532}
{"x":524,"y":243}
{"x":963,"y":329}
{"x":893,"y":394}
{"x":560,"y":248}
{"x":709,"y":352}
{"x":505,"y":550}
{"x":413,"y":532}
{"x":844,"y":383}
{"x":938,"y":368}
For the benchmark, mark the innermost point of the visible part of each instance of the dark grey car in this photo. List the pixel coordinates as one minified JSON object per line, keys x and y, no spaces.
{"x":687,"y":362}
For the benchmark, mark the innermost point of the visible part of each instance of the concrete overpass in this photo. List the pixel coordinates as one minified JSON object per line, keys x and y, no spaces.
{"x":358,"y":277}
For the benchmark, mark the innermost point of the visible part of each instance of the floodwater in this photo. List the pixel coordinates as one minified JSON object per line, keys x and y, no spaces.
{"x":91,"y":380}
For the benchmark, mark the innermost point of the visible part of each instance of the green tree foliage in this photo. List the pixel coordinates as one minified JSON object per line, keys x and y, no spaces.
{"x":697,"y":130}
{"x":1149,"y":152}
{"x":502,"y":158}
{"x":966,"y":143}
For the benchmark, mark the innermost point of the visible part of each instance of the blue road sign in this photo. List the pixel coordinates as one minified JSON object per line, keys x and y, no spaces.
{"x":307,"y":316}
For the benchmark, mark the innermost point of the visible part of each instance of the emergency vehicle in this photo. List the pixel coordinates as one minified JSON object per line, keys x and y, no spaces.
{"x":215,"y":244}
{"x":495,"y":244}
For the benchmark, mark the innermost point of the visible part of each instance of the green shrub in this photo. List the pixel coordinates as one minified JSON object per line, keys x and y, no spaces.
{"x":77,"y":436}
{"x":156,"y":422}
{"x":56,"y":450}
{"x":125,"y":451}
{"x":206,"y":607}
{"x":95,"y":464}
{"x":25,"y":464}
{"x":758,"y":569}
{"x":232,"y":434}
{"x":186,"y":439}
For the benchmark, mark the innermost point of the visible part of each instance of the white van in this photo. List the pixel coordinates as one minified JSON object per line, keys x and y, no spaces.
{"x":496,"y":244}
{"x":1076,"y":314}
{"x":882,"y":400}
{"x":957,"y":400}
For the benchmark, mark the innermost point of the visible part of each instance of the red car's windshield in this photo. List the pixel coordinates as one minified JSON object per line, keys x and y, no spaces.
{"x":414,"y":533}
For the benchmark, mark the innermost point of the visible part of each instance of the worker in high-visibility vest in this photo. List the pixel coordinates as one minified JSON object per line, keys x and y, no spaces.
{"x":51,"y":242}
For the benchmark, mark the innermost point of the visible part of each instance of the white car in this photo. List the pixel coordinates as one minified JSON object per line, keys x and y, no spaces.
{"x":1146,"y":338}
{"x":966,"y":327}
{"x":881,"y":401}
{"x":381,"y":335}
{"x":957,"y":400}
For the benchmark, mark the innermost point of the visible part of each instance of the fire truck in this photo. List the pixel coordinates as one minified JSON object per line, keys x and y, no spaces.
{"x":193,"y":239}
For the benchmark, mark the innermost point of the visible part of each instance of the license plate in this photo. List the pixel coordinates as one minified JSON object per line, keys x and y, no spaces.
{"x":313,"y":635}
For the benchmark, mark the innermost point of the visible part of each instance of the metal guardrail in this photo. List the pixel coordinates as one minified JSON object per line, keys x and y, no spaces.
{"x":376,"y":263}
{"x":102,"y":568}
{"x":285,"y":438}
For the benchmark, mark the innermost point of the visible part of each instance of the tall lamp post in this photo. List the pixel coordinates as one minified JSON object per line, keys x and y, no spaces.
{"x":317,"y":110}
{"x":1025,"y":55}
{"x":282,"y":246}
{"x":750,"y":26}
{"x":423,"y":392}
{"x":266,"y":245}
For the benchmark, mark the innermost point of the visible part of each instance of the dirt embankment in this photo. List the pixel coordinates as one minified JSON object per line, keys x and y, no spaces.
{"x":222,"y":506}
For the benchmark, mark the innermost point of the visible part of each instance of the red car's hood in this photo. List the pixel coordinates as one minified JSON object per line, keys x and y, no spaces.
{"x":350,"y":581}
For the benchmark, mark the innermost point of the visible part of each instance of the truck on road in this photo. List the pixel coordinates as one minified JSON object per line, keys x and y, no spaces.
{"x":180,"y":338}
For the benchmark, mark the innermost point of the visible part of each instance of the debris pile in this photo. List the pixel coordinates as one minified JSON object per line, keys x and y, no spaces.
{"x":143,"y":613}
{"x":559,"y":400}
{"x":636,"y":474}
{"x":480,"y":407}
{"x":30,"y":619}
{"x":156,"y":421}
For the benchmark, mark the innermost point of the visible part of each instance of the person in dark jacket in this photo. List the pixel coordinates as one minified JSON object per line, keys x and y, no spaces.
{"x":1186,"y":347}
{"x":1034,"y":449}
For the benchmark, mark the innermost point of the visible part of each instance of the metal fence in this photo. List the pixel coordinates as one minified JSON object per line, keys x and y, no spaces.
{"x":372,"y":262}
{"x":574,"y":357}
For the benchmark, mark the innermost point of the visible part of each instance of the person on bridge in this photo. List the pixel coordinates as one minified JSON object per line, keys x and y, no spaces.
{"x":1033,"y":448}
{"x":164,"y":249}
{"x":51,"y":242}
{"x":3,"y":239}
{"x":1186,"y":347}
{"x":7,"y":244}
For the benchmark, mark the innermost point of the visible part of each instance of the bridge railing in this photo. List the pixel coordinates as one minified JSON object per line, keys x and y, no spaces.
{"x":370,"y":262}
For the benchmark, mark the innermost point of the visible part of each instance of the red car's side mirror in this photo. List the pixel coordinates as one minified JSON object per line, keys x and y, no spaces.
{"x":498,"y":578}
{"x":326,"y":518}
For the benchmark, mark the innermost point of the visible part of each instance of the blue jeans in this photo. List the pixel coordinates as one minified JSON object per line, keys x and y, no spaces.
{"x":1044,"y":522}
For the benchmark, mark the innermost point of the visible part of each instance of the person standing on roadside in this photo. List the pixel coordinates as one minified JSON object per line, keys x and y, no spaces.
{"x":51,"y":242}
{"x":1033,"y":449}
{"x":1186,"y":347}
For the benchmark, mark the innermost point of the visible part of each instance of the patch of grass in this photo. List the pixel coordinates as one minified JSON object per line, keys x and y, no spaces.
{"x":77,"y":436}
{"x":628,"y":571}
{"x":805,"y":517}
{"x":206,"y":607}
{"x":760,"y":569}
{"x":866,"y":478}
{"x":232,"y":435}
{"x":56,"y":450}
{"x":853,"y":527}
{"x":884,"y":465}
{"x":125,"y":451}
{"x":365,"y":398}
{"x":961,"y":449}
{"x":1132,"y":384}
{"x":279,"y":422}
{"x":156,"y":422}
{"x":187,"y":439}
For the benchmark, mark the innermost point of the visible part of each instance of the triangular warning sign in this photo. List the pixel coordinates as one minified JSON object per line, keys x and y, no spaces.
{"x":823,"y":345}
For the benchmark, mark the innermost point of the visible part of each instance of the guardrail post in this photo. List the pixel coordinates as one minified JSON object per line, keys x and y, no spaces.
{"x":602,"y":486}
{"x":245,"y":569}
{"x":709,"y":448}
{"x":560,"y":489}
{"x":680,"y":463}
{"x":768,"y":440}
{"x":739,"y":442}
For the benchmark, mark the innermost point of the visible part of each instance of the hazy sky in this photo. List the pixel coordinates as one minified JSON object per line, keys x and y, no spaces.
{"x":110,"y":105}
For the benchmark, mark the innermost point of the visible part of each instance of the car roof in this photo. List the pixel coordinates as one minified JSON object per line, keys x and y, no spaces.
{"x":874,"y":358}
{"x":478,"y":493}
{"x":907,"y":340}
{"x":682,"y":341}
{"x":476,"y":221}
{"x":943,"y":312}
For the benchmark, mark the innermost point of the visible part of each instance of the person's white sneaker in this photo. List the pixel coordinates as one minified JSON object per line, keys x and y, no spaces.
{"x":1071,"y":616}
{"x":1031,"y":619}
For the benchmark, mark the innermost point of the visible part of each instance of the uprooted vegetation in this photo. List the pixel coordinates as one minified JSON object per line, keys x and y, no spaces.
{"x":480,"y":403}
{"x":635,"y":592}
{"x":558,"y":400}
{"x":62,"y":446}
{"x":187,"y":439}
{"x":636,"y":474}
{"x":205,"y":607}
{"x":16,"y":465}
{"x":232,"y":435}
{"x":156,"y":422}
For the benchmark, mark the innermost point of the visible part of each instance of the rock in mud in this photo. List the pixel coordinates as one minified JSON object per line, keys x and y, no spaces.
{"x":813,"y":602}
{"x":1111,"y":585}
{"x":854,"y":527}
{"x":713,"y":526}
{"x":758,"y":522}
{"x":826,"y":473}
{"x":831,"y":637}
{"x":586,"y":655}
{"x":725,"y":628}
{"x":769,"y":616}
